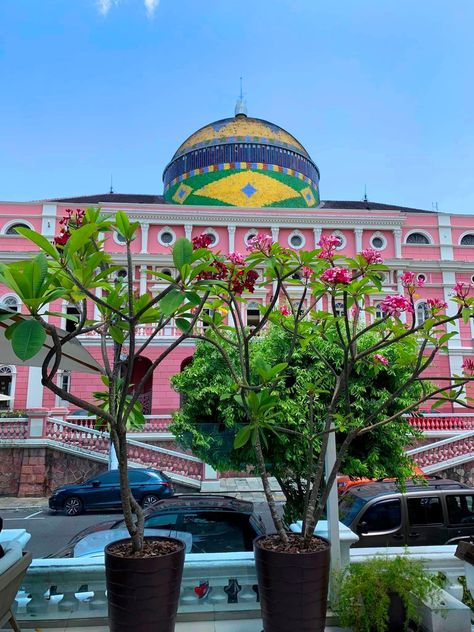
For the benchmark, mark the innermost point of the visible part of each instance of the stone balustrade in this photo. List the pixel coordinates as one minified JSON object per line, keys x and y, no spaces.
{"x":153,"y":423}
{"x":455,"y":423}
{"x":139,"y":453}
{"x":213,"y":586}
{"x":441,"y":453}
{"x":12,"y":428}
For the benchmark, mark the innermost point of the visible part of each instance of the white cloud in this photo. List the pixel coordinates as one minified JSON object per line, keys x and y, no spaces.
{"x":151,"y":6}
{"x":104,"y":6}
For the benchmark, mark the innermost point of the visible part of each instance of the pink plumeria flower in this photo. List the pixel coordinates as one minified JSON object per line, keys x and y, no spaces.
{"x":371,"y":256}
{"x":378,"y":357}
{"x":328,"y":246}
{"x":260,"y":243}
{"x":395,"y":305}
{"x":307,"y":272}
{"x":336,"y":275}
{"x":468,"y":367}
{"x":410,"y":281}
{"x":436,"y":304}
{"x":284,"y":310}
{"x":237,"y":258}
{"x":461,"y":289}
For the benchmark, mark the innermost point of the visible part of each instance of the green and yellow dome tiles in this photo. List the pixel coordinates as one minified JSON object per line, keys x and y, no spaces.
{"x":245,"y":162}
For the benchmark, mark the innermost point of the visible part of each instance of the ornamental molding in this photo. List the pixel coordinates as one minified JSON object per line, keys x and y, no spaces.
{"x":267,"y":220}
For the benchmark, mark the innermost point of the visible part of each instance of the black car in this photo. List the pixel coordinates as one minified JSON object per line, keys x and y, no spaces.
{"x":103,"y":491}
{"x":217,"y":523}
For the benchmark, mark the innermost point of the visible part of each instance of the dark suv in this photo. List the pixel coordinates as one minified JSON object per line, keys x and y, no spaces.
{"x":103,"y":491}
{"x":216,"y":523}
{"x":441,"y":511}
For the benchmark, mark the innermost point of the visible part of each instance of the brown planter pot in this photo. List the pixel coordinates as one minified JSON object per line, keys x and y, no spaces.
{"x":293,"y":589}
{"x":143,"y":593}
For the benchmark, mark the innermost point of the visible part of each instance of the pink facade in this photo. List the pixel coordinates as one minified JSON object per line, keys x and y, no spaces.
{"x":437,"y":253}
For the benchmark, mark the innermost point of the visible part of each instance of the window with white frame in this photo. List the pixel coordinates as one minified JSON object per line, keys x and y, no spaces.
{"x":378,"y":241}
{"x":422,"y":312}
{"x":213,"y":235}
{"x":467,"y":240}
{"x":119,"y":239}
{"x":248,"y":236}
{"x":253,"y":314}
{"x":417,"y":238}
{"x":64,"y":383}
{"x":342,"y":239}
{"x":339,"y":309}
{"x":166,"y":236}
{"x":379,"y":313}
{"x":11,"y":303}
{"x":70,"y":324}
{"x":296,"y":240}
{"x":12,"y":231}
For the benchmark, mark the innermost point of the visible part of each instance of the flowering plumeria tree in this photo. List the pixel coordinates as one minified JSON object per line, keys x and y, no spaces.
{"x":77,"y":270}
{"x":332,"y":304}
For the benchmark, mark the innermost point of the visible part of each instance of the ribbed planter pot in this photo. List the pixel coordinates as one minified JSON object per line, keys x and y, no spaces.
{"x":293,"y":588}
{"x":143,"y":593}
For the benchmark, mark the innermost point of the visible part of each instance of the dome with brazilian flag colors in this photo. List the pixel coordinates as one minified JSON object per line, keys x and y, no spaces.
{"x":242,"y":161}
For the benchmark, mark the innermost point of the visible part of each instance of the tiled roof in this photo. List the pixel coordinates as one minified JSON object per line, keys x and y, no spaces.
{"x":141,"y":198}
{"x":113,"y":198}
{"x":369,"y":206}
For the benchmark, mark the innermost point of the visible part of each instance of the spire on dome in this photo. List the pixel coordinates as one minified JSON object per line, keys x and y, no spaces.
{"x":240,"y":106}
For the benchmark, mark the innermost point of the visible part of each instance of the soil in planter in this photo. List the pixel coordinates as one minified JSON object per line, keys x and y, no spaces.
{"x":295,"y":544}
{"x":151,"y":548}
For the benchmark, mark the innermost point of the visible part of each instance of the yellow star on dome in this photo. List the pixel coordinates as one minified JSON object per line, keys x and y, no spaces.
{"x":247,"y":188}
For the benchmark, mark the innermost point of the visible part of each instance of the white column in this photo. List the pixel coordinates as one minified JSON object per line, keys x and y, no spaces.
{"x":445,"y":237}
{"x":397,"y":235}
{"x":231,"y":232}
{"x":48,"y":220}
{"x":143,"y":272}
{"x":34,"y":395}
{"x":400,"y":290}
{"x":449,"y":280}
{"x":188,"y":230}
{"x":145,"y":229}
{"x":317,"y":236}
{"x":275,"y":232}
{"x":332,"y":506}
{"x":358,"y":238}
{"x":98,"y":293}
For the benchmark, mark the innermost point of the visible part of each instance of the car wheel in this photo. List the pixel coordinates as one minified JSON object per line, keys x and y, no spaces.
{"x":149,"y":500}
{"x":73,"y":506}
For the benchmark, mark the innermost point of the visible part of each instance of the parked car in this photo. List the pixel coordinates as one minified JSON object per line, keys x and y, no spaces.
{"x":93,"y":544}
{"x":216,"y":524}
{"x":103,"y":491}
{"x":437,"y":511}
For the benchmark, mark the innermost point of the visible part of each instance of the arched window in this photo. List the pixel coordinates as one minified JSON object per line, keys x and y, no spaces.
{"x":253,"y":314}
{"x":467,"y":240}
{"x":12,"y":229}
{"x":417,"y":238}
{"x":422,"y":312}
{"x":11,"y":303}
{"x":7,"y":385}
{"x":339,"y":309}
{"x":379,"y":313}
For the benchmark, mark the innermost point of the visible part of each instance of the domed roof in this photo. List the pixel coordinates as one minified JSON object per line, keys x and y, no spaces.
{"x":242,"y":161}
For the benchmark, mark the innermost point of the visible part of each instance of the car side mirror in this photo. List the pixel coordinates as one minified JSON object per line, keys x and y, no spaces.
{"x":362,"y":528}
{"x":95,"y":483}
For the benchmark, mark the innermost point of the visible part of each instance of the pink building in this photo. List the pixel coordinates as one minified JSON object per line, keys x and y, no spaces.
{"x":232,"y":179}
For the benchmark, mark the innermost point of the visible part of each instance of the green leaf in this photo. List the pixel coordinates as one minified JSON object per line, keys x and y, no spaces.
{"x":28,"y":339}
{"x":242,"y":437}
{"x":123,"y":225}
{"x":40,"y":241}
{"x":171,"y":301}
{"x":182,"y":324}
{"x":78,"y":239}
{"x":466,"y":314}
{"x":9,"y":330}
{"x":182,"y":252}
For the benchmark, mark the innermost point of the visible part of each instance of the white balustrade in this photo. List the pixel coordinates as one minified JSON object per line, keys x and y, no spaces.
{"x":60,"y":589}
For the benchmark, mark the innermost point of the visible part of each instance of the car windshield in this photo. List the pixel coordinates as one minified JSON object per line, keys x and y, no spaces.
{"x":349,"y":507}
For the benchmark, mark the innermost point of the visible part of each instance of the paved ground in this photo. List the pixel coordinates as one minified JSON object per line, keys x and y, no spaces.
{"x":244,"y":625}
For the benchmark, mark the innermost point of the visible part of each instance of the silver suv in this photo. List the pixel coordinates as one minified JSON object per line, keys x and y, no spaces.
{"x":439,"y":511}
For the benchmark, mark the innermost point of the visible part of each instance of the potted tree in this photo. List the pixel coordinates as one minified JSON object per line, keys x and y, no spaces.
{"x":377,"y":595}
{"x":320,"y":296}
{"x":143,"y":575}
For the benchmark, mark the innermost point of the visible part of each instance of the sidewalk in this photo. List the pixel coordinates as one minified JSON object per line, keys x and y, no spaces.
{"x":242,"y":488}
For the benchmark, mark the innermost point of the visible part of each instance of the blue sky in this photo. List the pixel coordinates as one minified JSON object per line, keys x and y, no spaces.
{"x":380,"y":92}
